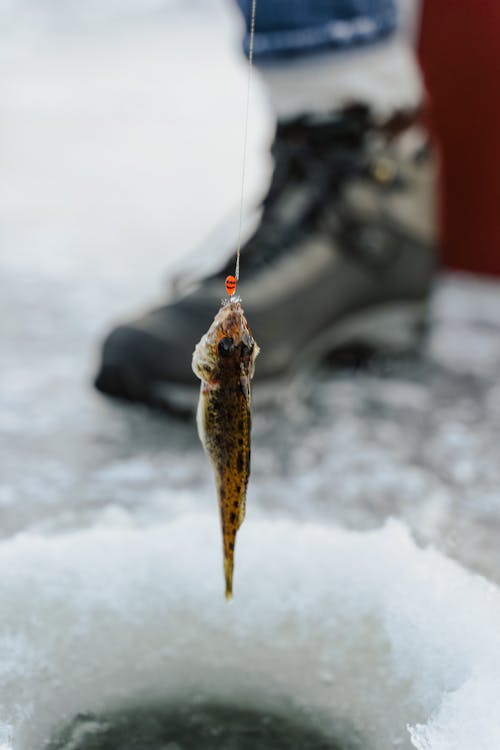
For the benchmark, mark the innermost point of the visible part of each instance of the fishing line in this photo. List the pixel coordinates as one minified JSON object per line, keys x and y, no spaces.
{"x":225,"y":356}
{"x":245,"y":137}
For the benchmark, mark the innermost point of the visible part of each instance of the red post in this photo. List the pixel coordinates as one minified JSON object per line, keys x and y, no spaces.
{"x":459,"y":53}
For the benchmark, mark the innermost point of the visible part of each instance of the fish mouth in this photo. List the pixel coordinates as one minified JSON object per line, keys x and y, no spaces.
{"x":228,"y":336}
{"x":230,"y":323}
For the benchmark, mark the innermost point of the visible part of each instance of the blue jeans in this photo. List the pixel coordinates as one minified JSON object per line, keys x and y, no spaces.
{"x":285,"y":28}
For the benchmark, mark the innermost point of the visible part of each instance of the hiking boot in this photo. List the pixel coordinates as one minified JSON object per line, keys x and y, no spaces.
{"x":344,"y":252}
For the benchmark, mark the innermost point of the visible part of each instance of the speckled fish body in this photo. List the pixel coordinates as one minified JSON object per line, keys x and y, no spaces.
{"x":224,"y":361}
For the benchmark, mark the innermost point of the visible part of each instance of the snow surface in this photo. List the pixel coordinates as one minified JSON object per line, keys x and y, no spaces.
{"x":107,"y":594}
{"x":364,"y":628}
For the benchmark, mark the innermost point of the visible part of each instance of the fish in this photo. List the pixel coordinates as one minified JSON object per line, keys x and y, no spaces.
{"x":224,"y":360}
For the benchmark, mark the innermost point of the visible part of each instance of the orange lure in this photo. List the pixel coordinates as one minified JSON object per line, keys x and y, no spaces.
{"x":231,"y":285}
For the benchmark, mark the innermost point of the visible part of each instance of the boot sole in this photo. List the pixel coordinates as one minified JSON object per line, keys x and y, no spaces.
{"x":388,"y":328}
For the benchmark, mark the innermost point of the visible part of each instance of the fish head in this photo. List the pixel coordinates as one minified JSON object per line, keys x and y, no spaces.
{"x":227,"y":346}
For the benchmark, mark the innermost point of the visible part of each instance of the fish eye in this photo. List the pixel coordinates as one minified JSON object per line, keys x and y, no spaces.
{"x":226,"y":346}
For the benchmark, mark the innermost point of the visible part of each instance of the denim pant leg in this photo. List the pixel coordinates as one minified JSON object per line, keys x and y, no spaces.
{"x":285,"y":28}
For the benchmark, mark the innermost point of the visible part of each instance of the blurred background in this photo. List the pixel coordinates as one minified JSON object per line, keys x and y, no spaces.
{"x":121,"y":135}
{"x":121,"y":151}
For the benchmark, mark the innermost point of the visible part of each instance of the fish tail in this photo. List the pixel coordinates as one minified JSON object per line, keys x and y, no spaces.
{"x":228,"y":575}
{"x":229,"y":529}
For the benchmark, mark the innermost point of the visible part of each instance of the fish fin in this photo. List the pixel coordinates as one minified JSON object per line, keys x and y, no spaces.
{"x":245,"y":388}
{"x":228,"y":575}
{"x":200,"y":417}
{"x":242,"y":509}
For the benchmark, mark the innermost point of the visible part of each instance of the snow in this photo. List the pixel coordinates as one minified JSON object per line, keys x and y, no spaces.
{"x":108,"y":592}
{"x":363,"y":628}
{"x":468,"y":717}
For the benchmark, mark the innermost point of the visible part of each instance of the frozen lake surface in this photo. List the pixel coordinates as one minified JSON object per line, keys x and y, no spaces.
{"x":362,"y":633}
{"x":121,"y":145}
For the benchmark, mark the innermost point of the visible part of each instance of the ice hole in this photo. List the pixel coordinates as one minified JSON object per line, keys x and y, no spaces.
{"x":370,"y":638}
{"x":194,"y":726}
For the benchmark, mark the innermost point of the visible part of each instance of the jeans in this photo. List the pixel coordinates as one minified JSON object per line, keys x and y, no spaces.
{"x":285,"y":28}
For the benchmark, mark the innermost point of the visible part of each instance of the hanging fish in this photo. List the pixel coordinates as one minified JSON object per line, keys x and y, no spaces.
{"x":224,"y":361}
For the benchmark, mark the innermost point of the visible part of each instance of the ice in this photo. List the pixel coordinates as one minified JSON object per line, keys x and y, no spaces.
{"x":408,"y":640}
{"x":108,"y":595}
{"x":468,"y":717}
